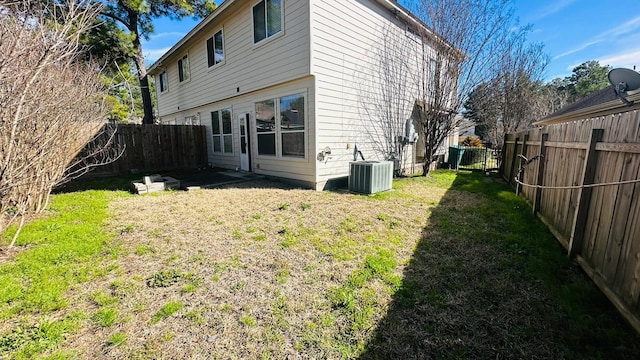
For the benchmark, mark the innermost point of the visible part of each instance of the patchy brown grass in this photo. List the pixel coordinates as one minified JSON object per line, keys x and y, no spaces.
{"x":443,"y":267}
{"x":256,"y":267}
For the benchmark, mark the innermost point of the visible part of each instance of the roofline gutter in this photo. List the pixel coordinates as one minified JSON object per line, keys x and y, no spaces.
{"x":158,"y":63}
{"x":398,"y":9}
{"x":597,"y":110}
{"x":408,"y":15}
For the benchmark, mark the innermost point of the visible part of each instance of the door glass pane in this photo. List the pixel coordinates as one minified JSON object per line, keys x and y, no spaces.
{"x":243,"y":144}
{"x":242,"y":131}
{"x":216,"y":144}
{"x":266,"y":144}
{"x":293,"y":144}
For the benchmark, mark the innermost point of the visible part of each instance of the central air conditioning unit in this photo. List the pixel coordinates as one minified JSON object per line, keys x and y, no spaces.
{"x":370,"y":177}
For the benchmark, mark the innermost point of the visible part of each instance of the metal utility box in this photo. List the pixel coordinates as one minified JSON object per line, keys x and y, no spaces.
{"x":370,"y":177}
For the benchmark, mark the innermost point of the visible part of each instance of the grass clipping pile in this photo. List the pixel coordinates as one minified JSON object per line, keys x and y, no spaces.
{"x":273,"y":272}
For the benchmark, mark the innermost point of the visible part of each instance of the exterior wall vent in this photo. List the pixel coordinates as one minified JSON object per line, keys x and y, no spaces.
{"x":370,"y":177}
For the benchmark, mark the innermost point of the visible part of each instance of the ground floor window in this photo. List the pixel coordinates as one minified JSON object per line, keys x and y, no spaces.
{"x":221,"y":129}
{"x":280,"y":126}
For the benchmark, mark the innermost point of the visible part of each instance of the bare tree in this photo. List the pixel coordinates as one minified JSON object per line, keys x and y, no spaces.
{"x":463,"y":46}
{"x":510,"y":101}
{"x":386,"y":94}
{"x":52,"y":105}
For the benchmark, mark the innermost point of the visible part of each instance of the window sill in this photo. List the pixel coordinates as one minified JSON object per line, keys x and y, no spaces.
{"x":265,"y":41}
{"x":213,"y":67}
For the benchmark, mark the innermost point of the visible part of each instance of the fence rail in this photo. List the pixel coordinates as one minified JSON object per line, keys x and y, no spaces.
{"x":599,"y":225}
{"x":155,"y":148}
{"x":474,"y":158}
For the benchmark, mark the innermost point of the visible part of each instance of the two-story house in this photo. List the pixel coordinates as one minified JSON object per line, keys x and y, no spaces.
{"x":279,"y":83}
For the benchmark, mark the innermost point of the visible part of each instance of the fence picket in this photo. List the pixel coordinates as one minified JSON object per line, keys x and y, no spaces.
{"x":603,"y":227}
{"x":156,"y":147}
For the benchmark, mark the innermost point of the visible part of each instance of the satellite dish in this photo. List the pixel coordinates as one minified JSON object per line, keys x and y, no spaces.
{"x":623,"y":81}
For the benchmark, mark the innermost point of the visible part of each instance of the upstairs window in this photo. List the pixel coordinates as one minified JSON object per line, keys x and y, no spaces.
{"x":215,"y":49}
{"x":164,"y":82}
{"x":221,"y":129}
{"x":183,"y":68}
{"x":267,"y":19}
{"x":414,"y":34}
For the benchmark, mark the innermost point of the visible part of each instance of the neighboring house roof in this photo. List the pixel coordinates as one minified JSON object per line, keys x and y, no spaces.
{"x":393,"y":5}
{"x":602,"y":102}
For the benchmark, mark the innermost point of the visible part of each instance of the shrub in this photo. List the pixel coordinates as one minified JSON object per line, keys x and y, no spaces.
{"x":471,"y":141}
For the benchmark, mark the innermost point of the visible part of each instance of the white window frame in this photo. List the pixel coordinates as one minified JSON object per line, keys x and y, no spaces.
{"x":278,"y":131}
{"x":267,"y":37}
{"x":413,"y":33}
{"x":184,"y":74}
{"x":164,"y":82}
{"x":222,"y":135}
{"x":213,"y":39}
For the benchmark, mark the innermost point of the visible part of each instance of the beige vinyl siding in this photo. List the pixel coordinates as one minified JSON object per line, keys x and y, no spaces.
{"x":301,"y":169}
{"x":345,"y":35}
{"x":247,"y":67}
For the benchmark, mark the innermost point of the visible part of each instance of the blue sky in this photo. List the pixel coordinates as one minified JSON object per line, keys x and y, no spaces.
{"x":572,"y":31}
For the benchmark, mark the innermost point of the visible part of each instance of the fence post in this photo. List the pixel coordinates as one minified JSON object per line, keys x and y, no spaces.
{"x":513,"y":160}
{"x":484,"y":163}
{"x":503,"y":154}
{"x":523,"y":152}
{"x":576,"y":238}
{"x":537,"y":193}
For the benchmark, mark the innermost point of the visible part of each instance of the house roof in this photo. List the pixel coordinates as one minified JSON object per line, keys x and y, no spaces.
{"x":392,"y":5}
{"x":602,"y":102}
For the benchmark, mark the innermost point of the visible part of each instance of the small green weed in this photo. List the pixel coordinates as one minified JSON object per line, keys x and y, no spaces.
{"x":195,"y":316}
{"x":289,"y":240}
{"x":237,"y":286}
{"x":283,"y":206}
{"x":105,"y":317}
{"x":260,"y":237}
{"x":164,"y":278}
{"x":144,"y":249}
{"x":166,"y":311}
{"x":282,"y":276}
{"x":117,"y":339}
{"x":101,"y":298}
{"x":248,"y":320}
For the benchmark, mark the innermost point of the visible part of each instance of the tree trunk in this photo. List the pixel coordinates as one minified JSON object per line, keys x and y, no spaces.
{"x":141,"y":67}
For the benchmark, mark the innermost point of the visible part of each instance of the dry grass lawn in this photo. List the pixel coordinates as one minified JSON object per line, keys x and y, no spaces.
{"x":254,"y":269}
{"x":261,"y":270}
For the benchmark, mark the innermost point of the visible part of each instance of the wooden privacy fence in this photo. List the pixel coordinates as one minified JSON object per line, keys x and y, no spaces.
{"x":583,"y":186}
{"x":154,"y":148}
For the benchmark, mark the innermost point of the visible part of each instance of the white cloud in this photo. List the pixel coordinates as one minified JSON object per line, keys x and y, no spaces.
{"x":579,"y":48}
{"x":553,"y":8}
{"x":630,"y":27}
{"x":167,"y":34}
{"x":154,"y":54}
{"x":628,"y":59}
